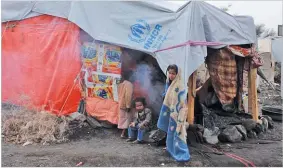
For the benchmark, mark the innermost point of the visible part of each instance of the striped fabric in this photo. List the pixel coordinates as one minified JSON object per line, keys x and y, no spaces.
{"x":223,"y":71}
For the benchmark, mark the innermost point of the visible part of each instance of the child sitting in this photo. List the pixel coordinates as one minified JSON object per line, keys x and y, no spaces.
{"x":141,"y":122}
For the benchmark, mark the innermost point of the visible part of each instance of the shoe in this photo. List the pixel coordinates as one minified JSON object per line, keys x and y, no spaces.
{"x":123,"y":137}
{"x":129,"y":140}
{"x":137,"y":142}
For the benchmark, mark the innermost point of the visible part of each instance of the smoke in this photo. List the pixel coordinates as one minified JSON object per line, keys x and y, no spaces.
{"x":146,"y":74}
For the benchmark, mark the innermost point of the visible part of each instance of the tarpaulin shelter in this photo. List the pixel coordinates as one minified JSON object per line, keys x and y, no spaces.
{"x":143,"y":26}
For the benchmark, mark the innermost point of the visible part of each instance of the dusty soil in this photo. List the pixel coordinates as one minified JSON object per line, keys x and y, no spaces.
{"x":105,"y":148}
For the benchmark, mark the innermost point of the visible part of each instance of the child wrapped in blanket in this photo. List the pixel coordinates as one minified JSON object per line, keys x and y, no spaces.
{"x":141,"y":123}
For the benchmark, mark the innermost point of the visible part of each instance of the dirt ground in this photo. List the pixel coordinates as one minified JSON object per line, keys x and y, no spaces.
{"x":105,"y":148}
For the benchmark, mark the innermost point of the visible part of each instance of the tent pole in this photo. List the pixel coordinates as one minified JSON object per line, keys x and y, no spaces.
{"x":252,"y":99}
{"x":191,"y":97}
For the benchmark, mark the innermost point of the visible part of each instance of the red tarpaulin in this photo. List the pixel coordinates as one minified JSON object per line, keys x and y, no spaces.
{"x":40,"y":61}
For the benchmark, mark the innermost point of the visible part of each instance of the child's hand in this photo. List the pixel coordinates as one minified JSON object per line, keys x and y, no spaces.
{"x":132,"y":124}
{"x":141,"y":126}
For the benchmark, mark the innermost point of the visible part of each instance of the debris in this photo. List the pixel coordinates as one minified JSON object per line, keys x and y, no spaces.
{"x":243,"y":131}
{"x":230,"y":134}
{"x":93,"y":122}
{"x":159,"y":137}
{"x":252,"y":135}
{"x":162,"y":164}
{"x":106,"y":124}
{"x":195,"y":164}
{"x":21,"y":126}
{"x":195,"y":127}
{"x":79,"y":164}
{"x":211,"y":136}
{"x":78,"y":116}
{"x":261,"y":74}
{"x":37,"y":127}
{"x":27,"y":143}
{"x":45,"y":144}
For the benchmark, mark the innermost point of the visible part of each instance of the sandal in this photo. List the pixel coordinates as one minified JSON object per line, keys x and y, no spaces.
{"x":130,"y":140}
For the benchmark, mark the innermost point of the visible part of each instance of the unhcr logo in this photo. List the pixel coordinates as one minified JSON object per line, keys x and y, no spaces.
{"x":139,"y":31}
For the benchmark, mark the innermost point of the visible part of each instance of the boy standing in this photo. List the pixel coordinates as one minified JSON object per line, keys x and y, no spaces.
{"x":125,"y":92}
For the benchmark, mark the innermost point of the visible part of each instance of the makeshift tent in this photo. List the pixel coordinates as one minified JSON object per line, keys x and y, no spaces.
{"x":164,"y":27}
{"x":142,"y":26}
{"x":40,"y":61}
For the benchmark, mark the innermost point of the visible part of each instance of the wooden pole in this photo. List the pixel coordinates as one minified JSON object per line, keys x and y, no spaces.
{"x":191,"y":97}
{"x":252,"y":101}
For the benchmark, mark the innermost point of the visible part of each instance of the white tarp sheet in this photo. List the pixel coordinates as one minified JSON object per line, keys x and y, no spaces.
{"x":147,"y":26}
{"x":277,"y":49}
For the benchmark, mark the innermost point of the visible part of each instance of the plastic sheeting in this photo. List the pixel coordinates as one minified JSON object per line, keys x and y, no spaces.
{"x":277,"y":49}
{"x":103,"y":109}
{"x":40,"y":62}
{"x":148,"y":27}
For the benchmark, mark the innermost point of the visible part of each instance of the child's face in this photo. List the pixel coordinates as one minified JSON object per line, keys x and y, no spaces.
{"x":172,"y":74}
{"x":139,"y":106}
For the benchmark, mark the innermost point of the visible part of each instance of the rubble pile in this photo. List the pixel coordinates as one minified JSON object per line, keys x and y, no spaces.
{"x":233,"y":128}
{"x":277,"y":75}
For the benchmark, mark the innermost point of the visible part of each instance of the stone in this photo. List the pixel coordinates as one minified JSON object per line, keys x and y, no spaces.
{"x":258,"y":128}
{"x":243,"y":131}
{"x":27,"y":143}
{"x":252,"y":135}
{"x":211,"y":136}
{"x":230,"y":134}
{"x":264,"y":124}
{"x":270,"y":121}
{"x":249,"y":124}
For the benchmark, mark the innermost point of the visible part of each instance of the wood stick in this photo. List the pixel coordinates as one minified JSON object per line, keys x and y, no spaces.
{"x":252,"y":101}
{"x":191,"y":97}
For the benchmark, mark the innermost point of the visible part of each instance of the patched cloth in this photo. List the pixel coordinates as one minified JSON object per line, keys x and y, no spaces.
{"x":222,"y":69}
